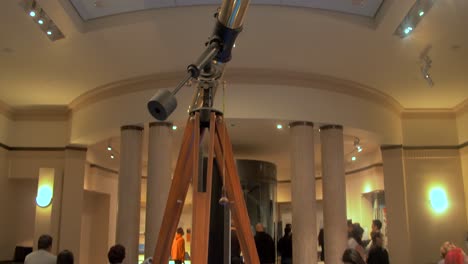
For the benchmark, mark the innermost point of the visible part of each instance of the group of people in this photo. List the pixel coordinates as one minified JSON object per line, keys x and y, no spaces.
{"x":358,"y":252}
{"x":43,"y":254}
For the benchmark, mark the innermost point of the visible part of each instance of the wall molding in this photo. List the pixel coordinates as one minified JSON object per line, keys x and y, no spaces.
{"x":68,"y":147}
{"x":375,"y":165}
{"x":430,"y":147}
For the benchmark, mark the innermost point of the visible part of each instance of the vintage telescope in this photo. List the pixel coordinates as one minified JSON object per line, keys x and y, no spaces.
{"x":209,"y":67}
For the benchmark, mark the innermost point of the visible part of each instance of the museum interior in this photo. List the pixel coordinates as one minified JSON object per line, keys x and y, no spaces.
{"x":336,"y":111}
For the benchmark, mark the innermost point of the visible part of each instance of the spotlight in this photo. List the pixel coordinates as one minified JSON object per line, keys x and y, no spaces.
{"x":353,"y":158}
{"x":408,"y":30}
{"x":109,"y":148}
{"x":49,"y":32}
{"x":174,"y":127}
{"x":46,"y":24}
{"x":279,"y":126}
{"x":40,"y":21}
{"x":32,"y":13}
{"x":359,"y":149}
{"x":421,"y":13}
{"x":112,"y":156}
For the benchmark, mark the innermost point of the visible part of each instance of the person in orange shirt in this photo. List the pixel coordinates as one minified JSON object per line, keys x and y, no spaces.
{"x":178,"y":247}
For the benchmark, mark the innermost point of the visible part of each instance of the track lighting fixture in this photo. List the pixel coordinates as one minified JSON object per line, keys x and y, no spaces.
{"x":425,"y":65}
{"x":46,"y":24}
{"x":413,"y":17}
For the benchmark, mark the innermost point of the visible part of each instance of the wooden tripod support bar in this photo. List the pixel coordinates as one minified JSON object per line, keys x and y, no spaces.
{"x":186,"y":170}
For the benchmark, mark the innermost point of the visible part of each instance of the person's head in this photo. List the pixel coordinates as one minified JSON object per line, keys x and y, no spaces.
{"x":287,"y":229}
{"x":376,"y":225}
{"x":377,"y":239}
{"x":445,"y":248}
{"x":259,"y":228}
{"x":351,"y":256}
{"x":180,"y":231}
{"x":65,"y":257}
{"x":357,"y":232}
{"x":44,"y":242}
{"x":116,"y":254}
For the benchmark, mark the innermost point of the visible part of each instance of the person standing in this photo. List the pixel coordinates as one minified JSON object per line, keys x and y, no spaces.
{"x":377,"y":254}
{"x":42,"y":255}
{"x":285,"y":246}
{"x":321,"y":242}
{"x":116,"y":254}
{"x":65,"y":257}
{"x":265,"y":245}
{"x":178,"y":247}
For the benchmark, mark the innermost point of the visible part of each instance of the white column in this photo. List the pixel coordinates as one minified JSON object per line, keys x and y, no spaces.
{"x":72,"y":200}
{"x":334,"y":193}
{"x":158,"y":182}
{"x":128,"y":215}
{"x":303,"y":193}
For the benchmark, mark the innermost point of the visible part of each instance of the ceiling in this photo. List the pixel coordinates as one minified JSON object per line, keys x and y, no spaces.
{"x":251,"y":139}
{"x":101,"y":8}
{"x":36,"y":71}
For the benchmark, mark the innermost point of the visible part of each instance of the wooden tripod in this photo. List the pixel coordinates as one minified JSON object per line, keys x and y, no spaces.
{"x":186,"y":169}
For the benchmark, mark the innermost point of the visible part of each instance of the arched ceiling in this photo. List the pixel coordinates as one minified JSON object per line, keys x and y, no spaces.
{"x":35,"y":71}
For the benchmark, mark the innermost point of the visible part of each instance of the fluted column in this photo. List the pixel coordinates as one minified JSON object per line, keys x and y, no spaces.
{"x":303,"y":193}
{"x":158,"y":182}
{"x":128,"y":215}
{"x":334,"y":193}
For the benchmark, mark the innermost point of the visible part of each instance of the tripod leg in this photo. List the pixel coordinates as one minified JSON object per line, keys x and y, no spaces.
{"x":176,"y":198}
{"x":235,"y":194}
{"x":201,"y":212}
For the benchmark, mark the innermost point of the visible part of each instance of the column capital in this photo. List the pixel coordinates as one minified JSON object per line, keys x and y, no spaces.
{"x":167,"y":124}
{"x":301,"y":123}
{"x":131,"y":127}
{"x":325,"y":127}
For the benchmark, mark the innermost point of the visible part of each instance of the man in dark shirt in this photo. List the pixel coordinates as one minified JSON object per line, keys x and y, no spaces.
{"x":285,"y":246}
{"x":265,"y":245}
{"x":377,"y":254}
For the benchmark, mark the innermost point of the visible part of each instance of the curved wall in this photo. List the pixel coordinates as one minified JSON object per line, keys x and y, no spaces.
{"x":102,"y":118}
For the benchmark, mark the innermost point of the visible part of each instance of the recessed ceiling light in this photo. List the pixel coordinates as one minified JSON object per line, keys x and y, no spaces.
{"x":353,"y":158}
{"x":109,"y":148}
{"x":359,"y":149}
{"x":32,"y":13}
{"x":421,"y":13}
{"x":279,"y":126}
{"x":49,"y":32}
{"x":174,"y":127}
{"x":40,"y":21}
{"x":112,"y":156}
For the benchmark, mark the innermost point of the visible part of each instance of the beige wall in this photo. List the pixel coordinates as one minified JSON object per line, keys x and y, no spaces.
{"x":38,"y":134}
{"x":98,"y":180}
{"x":6,"y":243}
{"x":4,"y":128}
{"x":432,"y":130}
{"x":94,"y":228}
{"x":462,"y":125}
{"x":426,"y":169}
{"x":464,"y":164}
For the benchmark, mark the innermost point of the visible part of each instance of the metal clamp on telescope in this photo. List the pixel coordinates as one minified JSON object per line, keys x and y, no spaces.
{"x":209,"y":67}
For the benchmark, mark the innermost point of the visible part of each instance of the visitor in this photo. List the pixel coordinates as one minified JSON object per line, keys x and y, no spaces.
{"x":351,"y":256}
{"x":376,"y":228}
{"x":178,"y":247}
{"x":265,"y":245}
{"x":116,"y":254}
{"x":377,"y":254}
{"x":42,"y":255}
{"x":285,"y":246}
{"x":350,"y":227}
{"x":65,"y":257}
{"x":355,"y":240}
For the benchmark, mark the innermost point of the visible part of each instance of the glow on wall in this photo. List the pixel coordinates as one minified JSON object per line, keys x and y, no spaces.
{"x":438,"y":199}
{"x":45,"y":187}
{"x":44,"y":196}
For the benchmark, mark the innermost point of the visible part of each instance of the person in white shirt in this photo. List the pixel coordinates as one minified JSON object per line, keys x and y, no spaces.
{"x":42,"y":255}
